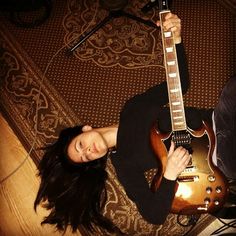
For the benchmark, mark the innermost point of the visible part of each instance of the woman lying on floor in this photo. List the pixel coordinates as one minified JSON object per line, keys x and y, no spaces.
{"x":72,"y":169}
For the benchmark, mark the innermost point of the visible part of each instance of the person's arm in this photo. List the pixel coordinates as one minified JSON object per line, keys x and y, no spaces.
{"x":153,"y":206}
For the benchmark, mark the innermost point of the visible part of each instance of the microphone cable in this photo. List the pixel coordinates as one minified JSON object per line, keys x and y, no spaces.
{"x":38,"y":99}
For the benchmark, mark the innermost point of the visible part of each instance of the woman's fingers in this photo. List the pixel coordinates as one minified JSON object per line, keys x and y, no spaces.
{"x":177,"y":161}
{"x":172,"y":148}
{"x":183,"y":159}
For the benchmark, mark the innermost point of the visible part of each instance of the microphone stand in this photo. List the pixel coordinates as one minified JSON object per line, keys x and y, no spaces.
{"x":112,"y":14}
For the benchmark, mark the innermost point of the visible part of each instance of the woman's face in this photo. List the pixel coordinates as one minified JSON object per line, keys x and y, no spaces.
{"x":87,"y":146}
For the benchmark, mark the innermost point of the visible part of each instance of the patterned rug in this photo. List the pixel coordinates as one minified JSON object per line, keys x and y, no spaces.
{"x":43,"y":89}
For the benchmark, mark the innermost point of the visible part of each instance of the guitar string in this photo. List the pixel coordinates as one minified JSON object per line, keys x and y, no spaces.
{"x":32,"y":147}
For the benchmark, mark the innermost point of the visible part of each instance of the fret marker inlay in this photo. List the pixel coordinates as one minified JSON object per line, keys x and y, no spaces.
{"x":175,"y":103}
{"x":172,"y":75}
{"x":167,"y":34}
{"x":174,"y":90}
{"x":178,"y":117}
{"x":177,"y":110}
{"x":178,"y":123}
{"x":170,"y":49}
{"x":171,"y":63}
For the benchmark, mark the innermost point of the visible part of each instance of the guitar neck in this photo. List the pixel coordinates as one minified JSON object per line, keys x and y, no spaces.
{"x":173,"y":78}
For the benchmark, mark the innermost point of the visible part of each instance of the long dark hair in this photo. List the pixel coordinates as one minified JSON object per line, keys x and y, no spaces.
{"x":75,"y":193}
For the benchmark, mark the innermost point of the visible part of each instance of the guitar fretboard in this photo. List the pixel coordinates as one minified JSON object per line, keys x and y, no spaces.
{"x":173,"y":79}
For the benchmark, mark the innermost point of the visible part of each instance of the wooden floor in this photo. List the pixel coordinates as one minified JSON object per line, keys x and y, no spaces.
{"x":18,"y":191}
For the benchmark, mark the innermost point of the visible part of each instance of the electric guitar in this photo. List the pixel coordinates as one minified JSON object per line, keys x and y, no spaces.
{"x":201,"y":187}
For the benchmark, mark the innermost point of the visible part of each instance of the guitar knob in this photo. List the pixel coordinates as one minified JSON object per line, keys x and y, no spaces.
{"x":216,"y":202}
{"x":207,"y":201}
{"x":211,"y":178}
{"x":218,"y":189}
{"x":208,"y":190}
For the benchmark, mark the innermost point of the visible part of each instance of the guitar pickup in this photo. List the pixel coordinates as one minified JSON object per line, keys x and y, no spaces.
{"x":188,"y":178}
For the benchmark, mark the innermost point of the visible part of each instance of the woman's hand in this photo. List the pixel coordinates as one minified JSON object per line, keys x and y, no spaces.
{"x":172,"y":22}
{"x":177,"y":161}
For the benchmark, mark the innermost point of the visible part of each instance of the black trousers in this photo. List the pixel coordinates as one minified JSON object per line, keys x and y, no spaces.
{"x":225,"y":124}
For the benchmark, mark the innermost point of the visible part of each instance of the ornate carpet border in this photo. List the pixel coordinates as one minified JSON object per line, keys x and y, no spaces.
{"x":20,"y":93}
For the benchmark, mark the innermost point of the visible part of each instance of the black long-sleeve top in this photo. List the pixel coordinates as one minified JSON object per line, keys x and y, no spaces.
{"x":134,"y":154}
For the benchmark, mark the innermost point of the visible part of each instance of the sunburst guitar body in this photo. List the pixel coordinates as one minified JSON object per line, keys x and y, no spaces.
{"x":201,"y":187}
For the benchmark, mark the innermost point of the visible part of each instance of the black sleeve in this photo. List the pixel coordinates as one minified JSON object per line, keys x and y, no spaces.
{"x":153,"y":206}
{"x":157,"y":212}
